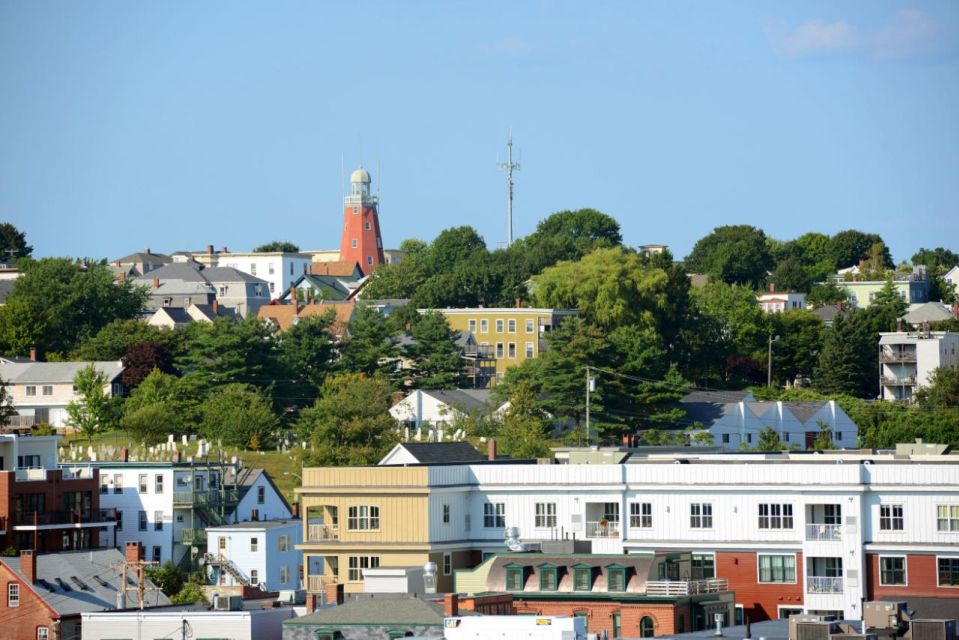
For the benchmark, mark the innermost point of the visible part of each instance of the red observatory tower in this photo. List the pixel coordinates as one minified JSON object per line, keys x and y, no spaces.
{"x":361,"y":241}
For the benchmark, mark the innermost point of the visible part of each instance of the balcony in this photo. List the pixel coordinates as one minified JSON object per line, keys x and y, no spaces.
{"x":823,"y":532}
{"x":682,"y":588}
{"x":317,"y":584}
{"x":193,"y":536}
{"x":823,"y":584}
{"x":31,"y":475}
{"x":898,"y":381}
{"x":897,"y":356}
{"x":479,"y":352}
{"x":77,"y":473}
{"x":322,"y":532}
{"x":602,"y":529}
{"x":28,"y":519}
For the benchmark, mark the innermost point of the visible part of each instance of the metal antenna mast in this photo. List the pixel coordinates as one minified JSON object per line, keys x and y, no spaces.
{"x":508,"y":167}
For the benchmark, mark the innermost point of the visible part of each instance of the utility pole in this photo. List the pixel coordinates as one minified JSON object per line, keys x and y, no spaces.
{"x":590,"y":387}
{"x":508,"y":167}
{"x":769,"y":364}
{"x":140,"y":588}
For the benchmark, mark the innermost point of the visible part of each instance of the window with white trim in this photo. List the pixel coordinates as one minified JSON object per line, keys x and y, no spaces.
{"x":545,"y":514}
{"x":494,"y":515}
{"x":511,"y":350}
{"x":363,"y":518}
{"x":499,"y":326}
{"x":284,"y":573}
{"x":701,"y":515}
{"x":144,"y":483}
{"x":703,"y":566}
{"x":254,"y":577}
{"x":641,"y":515}
{"x":158,"y":484}
{"x":947,"y":517}
{"x":254,"y":545}
{"x":484,"y":325}
{"x":777,"y":568}
{"x":529,"y":349}
{"x":529,"y":326}
{"x":892,"y":570}
{"x":511,"y":326}
{"x":471,"y":325}
{"x":358,"y":563}
{"x":13,"y":594}
{"x":890,"y":517}
{"x":775,"y":516}
{"x":31,"y":390}
{"x":43,"y":633}
{"x":447,"y":564}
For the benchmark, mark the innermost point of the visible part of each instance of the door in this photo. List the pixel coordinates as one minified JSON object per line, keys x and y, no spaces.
{"x":810,"y":440}
{"x":221,"y":545}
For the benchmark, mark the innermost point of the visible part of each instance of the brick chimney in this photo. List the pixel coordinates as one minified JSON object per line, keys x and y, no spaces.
{"x":156,"y":283}
{"x":133,"y":551}
{"x":147,"y":251}
{"x":772,"y":287}
{"x":33,"y":354}
{"x":451,"y":605}
{"x":123,"y":277}
{"x":124,"y":455}
{"x":215,"y":307}
{"x":519,"y":303}
{"x":225,"y":250}
{"x":334,"y":593}
{"x":209,"y":249}
{"x":955,"y":311}
{"x":310,"y":603}
{"x":28,"y":565}
{"x":491,"y":449}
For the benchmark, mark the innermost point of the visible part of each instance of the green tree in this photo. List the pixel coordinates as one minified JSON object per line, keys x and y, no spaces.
{"x":942,"y":392}
{"x":306,"y":352}
{"x":523,"y":434}
{"x":936,"y":260}
{"x":277,"y":245}
{"x":885,"y":309}
{"x":827,"y":294}
{"x":150,"y":424}
{"x":792,"y":275}
{"x":192,"y":592}
{"x":238,"y":415}
{"x":796,"y":353}
{"x":437,"y":363}
{"x":350,"y":423}
{"x":7,"y":410}
{"x":112,"y":341}
{"x":13,"y":243}
{"x":737,"y":254}
{"x":167,"y":577}
{"x":769,"y":440}
{"x":453,"y":246}
{"x":94,"y":410}
{"x":728,"y":322}
{"x":823,"y":439}
{"x":370,"y":347}
{"x":568,"y":236}
{"x":160,"y":405}
{"x":57,"y":304}
{"x":848,"y":248}
{"x":224,"y":351}
{"x":845,"y":363}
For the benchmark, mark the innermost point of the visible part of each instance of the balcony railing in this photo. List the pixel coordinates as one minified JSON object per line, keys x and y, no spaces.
{"x":77,"y":473}
{"x":321,"y":532}
{"x":893,"y":381}
{"x":31,"y":475}
{"x":823,"y":584}
{"x":191,"y":536}
{"x":893,"y":356}
{"x":65,"y":516}
{"x":317,"y":584}
{"x":478,"y":351}
{"x":827,"y":532}
{"x":602,"y":529}
{"x":678,"y":588}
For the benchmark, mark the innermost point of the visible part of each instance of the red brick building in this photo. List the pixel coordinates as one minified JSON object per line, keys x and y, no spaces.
{"x":361,"y":241}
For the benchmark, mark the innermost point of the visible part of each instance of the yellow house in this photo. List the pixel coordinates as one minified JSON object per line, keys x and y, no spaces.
{"x":505,"y":337}
{"x":366,"y":517}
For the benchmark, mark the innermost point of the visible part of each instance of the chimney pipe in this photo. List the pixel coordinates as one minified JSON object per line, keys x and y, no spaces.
{"x":28,"y":565}
{"x":295,"y":509}
{"x":491,"y":449}
{"x":224,"y":250}
{"x":209,"y":249}
{"x":122,"y":278}
{"x":451,"y":605}
{"x":33,"y":354}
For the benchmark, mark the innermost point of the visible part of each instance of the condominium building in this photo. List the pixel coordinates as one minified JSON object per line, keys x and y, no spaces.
{"x":907,"y":358}
{"x":256,"y":553}
{"x":789,"y":532}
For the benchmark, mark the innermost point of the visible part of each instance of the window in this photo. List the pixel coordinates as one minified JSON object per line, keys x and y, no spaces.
{"x":253,"y":269}
{"x":548,"y":577}
{"x":529,"y":326}
{"x":446,"y":514}
{"x":369,"y":260}
{"x":119,"y":521}
{"x":511,"y":350}
{"x":838,"y":436}
{"x":157,"y":553}
{"x":353,"y":243}
{"x":47,"y":390}
{"x":529,"y":349}
{"x":616,"y":578}
{"x":484,"y":326}
{"x":254,"y":545}
{"x":272,"y":287}
{"x":260,"y":495}
{"x":777,"y":568}
{"x":890,"y":517}
{"x":511,"y":326}
{"x":515,"y":578}
{"x":499,"y":349}
{"x":284,"y":573}
{"x":104,"y":484}
{"x":703,"y":566}
{"x":13,"y":594}
{"x":358,"y":563}
{"x":366,"y":225}
{"x":646,"y":627}
{"x":144,"y":483}
{"x":494,"y":515}
{"x":499,"y":326}
{"x":143,"y":521}
{"x":545,"y":514}
{"x":31,"y":390}
{"x":158,"y":484}
{"x":283,"y":543}
{"x":948,"y":572}
{"x":582,"y":578}
{"x":471,"y":324}
{"x":775,"y":516}
{"x":43,"y":633}
{"x":725,"y":438}
{"x":363,"y":518}
{"x":254,"y":577}
{"x":892,"y":570}
{"x":447,"y":564}
{"x":271,"y":268}
{"x":701,"y":515}
{"x":641,"y":515}
{"x":947,"y":517}
{"x":158,"y":521}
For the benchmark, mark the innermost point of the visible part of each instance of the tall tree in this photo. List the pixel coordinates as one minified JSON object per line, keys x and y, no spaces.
{"x":350,"y":424}
{"x":736,"y":254}
{"x":113,"y":340}
{"x":400,"y":280}
{"x":239,"y":415}
{"x":845,"y":364}
{"x":936,"y":260}
{"x":370,"y":347}
{"x":142,"y":358}
{"x":728,"y":322}
{"x":791,"y":275}
{"x":942,"y":392}
{"x":13,"y":243}
{"x":452,"y":246}
{"x":885,"y":309}
{"x":93,"y":410}
{"x":277,"y":245}
{"x":57,"y":304}
{"x":437,"y":363}
{"x":524,"y":428}
{"x":7,"y":410}
{"x":796,"y":352}
{"x":848,"y":248}
{"x":224,"y":351}
{"x":569,"y":236}
{"x":306,"y":352}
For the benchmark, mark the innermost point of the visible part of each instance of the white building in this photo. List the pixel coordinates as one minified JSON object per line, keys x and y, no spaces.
{"x":256,"y":553}
{"x":523,"y":627}
{"x":907,"y":358}
{"x":245,"y":624}
{"x":777,"y":302}
{"x":440,"y":408}
{"x":167,"y":506}
{"x":41,"y":391}
{"x":279,"y":269}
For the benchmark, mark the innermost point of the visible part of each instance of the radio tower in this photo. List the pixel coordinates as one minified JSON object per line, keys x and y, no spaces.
{"x":508,"y":167}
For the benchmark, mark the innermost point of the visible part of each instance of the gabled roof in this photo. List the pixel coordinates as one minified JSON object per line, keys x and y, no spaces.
{"x":55,"y":372}
{"x":378,"y":611}
{"x":187,"y":272}
{"x":229,"y":274}
{"x":247,"y":477}
{"x":828,"y":313}
{"x":928,"y":312}
{"x":442,"y":452}
{"x":98,"y":579}
{"x":177,"y":315}
{"x":285,"y":315}
{"x":206,"y":310}
{"x":340,"y":268}
{"x":145,"y":258}
{"x":462,"y":399}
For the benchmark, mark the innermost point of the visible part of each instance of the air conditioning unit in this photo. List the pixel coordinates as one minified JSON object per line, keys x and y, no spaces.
{"x":228,"y":603}
{"x":853,"y":636}
{"x":932,"y":630}
{"x":815,"y":630}
{"x":885,"y":615}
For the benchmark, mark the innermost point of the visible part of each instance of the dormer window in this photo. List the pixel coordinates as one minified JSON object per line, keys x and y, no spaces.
{"x":515,"y":577}
{"x":616,"y":578}
{"x":548,"y":577}
{"x":582,"y":577}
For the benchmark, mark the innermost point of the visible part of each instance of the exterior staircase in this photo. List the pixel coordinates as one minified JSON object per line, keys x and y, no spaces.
{"x":218,"y":561}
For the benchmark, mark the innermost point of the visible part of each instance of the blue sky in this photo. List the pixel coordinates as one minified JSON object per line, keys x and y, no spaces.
{"x":173,"y":125}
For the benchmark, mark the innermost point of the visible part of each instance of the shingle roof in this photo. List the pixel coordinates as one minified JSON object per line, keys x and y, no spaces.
{"x":341,"y":268}
{"x":177,"y":314}
{"x":146,"y":258}
{"x":462,"y":399}
{"x":374,"y":611}
{"x":174,"y":271}
{"x":55,"y":372}
{"x":98,"y":577}
{"x":804,"y":409}
{"x":443,"y":452}
{"x":229,"y":274}
{"x":928,"y":312}
{"x":285,"y":314}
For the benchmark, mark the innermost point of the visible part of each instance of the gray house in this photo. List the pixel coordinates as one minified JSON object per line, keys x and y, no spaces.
{"x":182,"y":284}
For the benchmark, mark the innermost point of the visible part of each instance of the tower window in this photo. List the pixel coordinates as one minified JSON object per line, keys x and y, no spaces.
{"x":356,"y":209}
{"x":354,"y":243}
{"x":369,"y":260}
{"x":366,"y":225}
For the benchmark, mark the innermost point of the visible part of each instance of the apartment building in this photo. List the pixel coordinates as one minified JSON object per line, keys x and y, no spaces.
{"x":505,"y":337}
{"x":790,"y":532}
{"x":277,"y":268}
{"x":45,"y":507}
{"x":907,"y":358}
{"x":256,"y":554}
